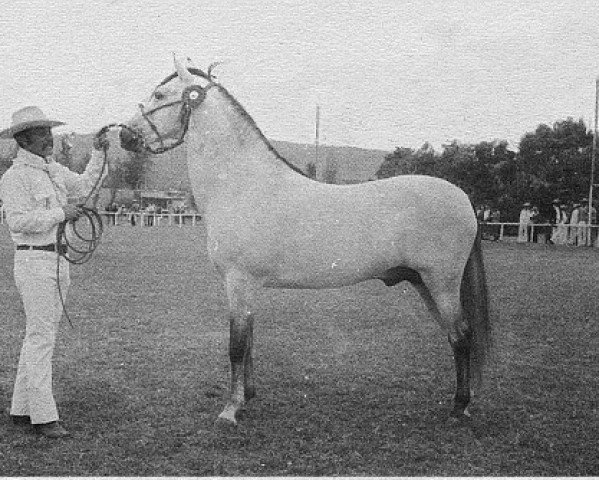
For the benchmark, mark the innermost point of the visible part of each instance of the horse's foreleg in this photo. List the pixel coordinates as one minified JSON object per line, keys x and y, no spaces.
{"x":248,"y":363}
{"x":240,"y":346}
{"x":240,"y":357}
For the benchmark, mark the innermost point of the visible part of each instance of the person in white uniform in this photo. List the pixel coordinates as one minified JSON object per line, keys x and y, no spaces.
{"x":525,"y":221}
{"x":35,"y":191}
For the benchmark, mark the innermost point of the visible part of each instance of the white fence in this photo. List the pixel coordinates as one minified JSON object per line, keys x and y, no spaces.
{"x":144,"y":219}
{"x":141,"y":219}
{"x":580,"y":235}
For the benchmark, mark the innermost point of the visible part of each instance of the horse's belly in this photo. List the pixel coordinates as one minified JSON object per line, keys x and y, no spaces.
{"x":317,"y":280}
{"x":325,"y":269}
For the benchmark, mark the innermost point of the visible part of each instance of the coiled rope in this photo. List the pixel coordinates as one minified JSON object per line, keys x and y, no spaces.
{"x":85,"y":232}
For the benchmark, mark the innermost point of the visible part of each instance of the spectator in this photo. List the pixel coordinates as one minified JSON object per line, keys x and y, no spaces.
{"x":535,"y":218}
{"x":574,"y":234}
{"x":133,"y":213}
{"x":560,"y":232}
{"x":526,"y":214}
{"x":151,"y":211}
{"x":112,"y":210}
{"x":546,"y":219}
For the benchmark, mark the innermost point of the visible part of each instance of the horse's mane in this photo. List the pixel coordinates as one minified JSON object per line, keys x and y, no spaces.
{"x":239,"y":108}
{"x":194,"y":71}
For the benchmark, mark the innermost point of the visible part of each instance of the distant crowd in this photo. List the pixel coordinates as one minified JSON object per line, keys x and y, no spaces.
{"x":151,"y":214}
{"x":556,"y":223}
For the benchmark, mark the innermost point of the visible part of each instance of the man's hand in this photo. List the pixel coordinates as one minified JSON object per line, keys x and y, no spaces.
{"x":72,"y":212}
{"x":101,"y":141}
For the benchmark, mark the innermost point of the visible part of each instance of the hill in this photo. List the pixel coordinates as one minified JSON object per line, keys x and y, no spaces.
{"x":169,"y":170}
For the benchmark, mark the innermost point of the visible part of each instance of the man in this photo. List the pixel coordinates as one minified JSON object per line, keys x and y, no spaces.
{"x":524,"y":223}
{"x":560,"y":233}
{"x":575,"y":235}
{"x":34,"y":191}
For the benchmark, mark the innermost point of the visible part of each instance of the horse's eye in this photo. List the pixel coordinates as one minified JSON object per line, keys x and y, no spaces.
{"x":158,"y":95}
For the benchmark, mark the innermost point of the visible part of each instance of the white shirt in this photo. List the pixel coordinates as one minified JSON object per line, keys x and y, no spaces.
{"x":525,"y":216}
{"x":33,"y":193}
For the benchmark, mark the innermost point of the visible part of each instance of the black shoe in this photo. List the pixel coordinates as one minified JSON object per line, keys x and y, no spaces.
{"x":51,"y":430}
{"x":18,"y":419}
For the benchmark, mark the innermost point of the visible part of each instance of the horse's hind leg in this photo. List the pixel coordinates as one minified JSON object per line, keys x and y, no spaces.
{"x":443,"y":302}
{"x":240,"y":293}
{"x":461,"y":354}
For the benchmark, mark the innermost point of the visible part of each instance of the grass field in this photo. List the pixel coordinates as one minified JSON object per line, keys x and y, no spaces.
{"x":355,"y":381}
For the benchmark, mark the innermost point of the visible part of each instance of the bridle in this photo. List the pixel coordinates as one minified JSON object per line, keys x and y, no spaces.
{"x":191,"y":98}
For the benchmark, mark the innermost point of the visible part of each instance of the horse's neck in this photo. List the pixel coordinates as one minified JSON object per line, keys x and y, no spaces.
{"x":225,"y":151}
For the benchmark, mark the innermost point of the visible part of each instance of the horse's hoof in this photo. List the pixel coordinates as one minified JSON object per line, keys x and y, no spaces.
{"x":458,"y":417}
{"x":225,"y":422}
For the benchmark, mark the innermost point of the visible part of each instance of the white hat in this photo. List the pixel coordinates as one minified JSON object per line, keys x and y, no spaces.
{"x":28,"y":117}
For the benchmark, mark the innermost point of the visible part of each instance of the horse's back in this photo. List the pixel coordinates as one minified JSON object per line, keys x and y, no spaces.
{"x":408,"y":205}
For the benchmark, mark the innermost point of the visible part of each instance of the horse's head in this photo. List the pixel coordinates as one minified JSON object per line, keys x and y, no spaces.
{"x":163,"y":119}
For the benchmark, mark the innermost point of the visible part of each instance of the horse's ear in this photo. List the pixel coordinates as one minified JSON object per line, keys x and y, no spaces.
{"x":182,"y":71}
{"x":189,"y":63}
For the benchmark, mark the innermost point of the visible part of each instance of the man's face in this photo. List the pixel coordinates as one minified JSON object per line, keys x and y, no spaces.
{"x":40,"y":141}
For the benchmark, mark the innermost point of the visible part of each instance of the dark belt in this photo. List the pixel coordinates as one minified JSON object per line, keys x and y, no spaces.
{"x":47,"y":248}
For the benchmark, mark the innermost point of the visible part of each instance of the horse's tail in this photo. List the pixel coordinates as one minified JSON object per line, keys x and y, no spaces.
{"x":474,"y":298}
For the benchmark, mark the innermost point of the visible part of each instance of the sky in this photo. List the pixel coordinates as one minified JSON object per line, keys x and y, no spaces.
{"x":385,"y":73}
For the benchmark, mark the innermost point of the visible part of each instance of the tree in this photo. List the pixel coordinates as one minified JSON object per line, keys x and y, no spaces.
{"x":405,"y":161}
{"x":560,"y":157}
{"x":400,"y":162}
{"x":64,"y":151}
{"x":134,"y":168}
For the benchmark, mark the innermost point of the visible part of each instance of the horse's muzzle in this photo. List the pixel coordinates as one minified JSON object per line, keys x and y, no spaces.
{"x":131,"y":140}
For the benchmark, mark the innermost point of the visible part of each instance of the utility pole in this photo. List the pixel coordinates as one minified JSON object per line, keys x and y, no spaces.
{"x":593,"y":157}
{"x":317,"y":139}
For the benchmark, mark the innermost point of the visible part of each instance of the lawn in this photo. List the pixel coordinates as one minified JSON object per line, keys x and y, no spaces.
{"x":354,"y":381}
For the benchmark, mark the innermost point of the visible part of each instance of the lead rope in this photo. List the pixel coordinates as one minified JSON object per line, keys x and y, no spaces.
{"x":79,"y":256}
{"x":66,"y":248}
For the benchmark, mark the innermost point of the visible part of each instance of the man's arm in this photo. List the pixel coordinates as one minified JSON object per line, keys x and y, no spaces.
{"x":82,"y":184}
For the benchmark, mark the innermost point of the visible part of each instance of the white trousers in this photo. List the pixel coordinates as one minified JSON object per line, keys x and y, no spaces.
{"x":36,"y":281}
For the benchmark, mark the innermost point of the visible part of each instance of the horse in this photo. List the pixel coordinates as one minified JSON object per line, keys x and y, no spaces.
{"x":271,"y":226}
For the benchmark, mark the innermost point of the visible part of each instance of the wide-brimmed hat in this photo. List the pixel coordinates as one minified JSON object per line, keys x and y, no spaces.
{"x":28,"y":117}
